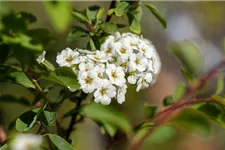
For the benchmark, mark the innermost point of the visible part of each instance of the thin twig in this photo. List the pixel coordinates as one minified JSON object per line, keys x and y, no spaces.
{"x":73,"y":120}
{"x":165,"y":114}
{"x":112,"y":5}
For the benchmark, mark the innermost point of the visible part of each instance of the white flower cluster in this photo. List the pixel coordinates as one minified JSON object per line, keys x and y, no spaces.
{"x":121,"y":59}
{"x":26,"y":142}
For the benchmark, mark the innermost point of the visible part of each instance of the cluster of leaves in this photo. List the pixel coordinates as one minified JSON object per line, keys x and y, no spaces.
{"x":96,"y":28}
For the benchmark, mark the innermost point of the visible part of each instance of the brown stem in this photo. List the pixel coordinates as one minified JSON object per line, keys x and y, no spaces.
{"x":40,"y":90}
{"x":112,"y":5}
{"x":73,"y":120}
{"x":165,"y":116}
{"x":184,"y":101}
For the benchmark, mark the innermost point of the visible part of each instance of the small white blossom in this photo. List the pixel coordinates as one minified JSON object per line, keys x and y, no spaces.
{"x":41,"y":58}
{"x":125,"y":50}
{"x":144,"y":81}
{"x":26,"y":142}
{"x":88,"y":81}
{"x":147,"y":50}
{"x":99,"y":56}
{"x":100,"y":69}
{"x":121,"y":94}
{"x":138,"y":62}
{"x":132,"y":78}
{"x":85,"y":67}
{"x":67,"y":57}
{"x":116,"y":74}
{"x":105,"y":92}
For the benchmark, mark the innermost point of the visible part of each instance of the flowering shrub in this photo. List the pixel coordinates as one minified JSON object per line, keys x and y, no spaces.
{"x":102,"y":71}
{"x":105,"y":72}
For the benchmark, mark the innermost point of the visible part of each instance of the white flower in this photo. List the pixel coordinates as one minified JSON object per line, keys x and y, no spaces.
{"x":67,"y":57}
{"x":144,"y":81}
{"x":121,"y":94}
{"x":156,"y":62}
{"x":26,"y":142}
{"x":107,"y":49}
{"x":99,"y":56}
{"x":41,"y":58}
{"x":100,"y":69}
{"x":137,"y":62}
{"x":83,"y":58}
{"x":147,"y":50}
{"x":125,"y":50}
{"x":105,"y":92}
{"x":85,"y":67}
{"x":132,"y":78}
{"x":116,"y":74}
{"x":88,"y":81}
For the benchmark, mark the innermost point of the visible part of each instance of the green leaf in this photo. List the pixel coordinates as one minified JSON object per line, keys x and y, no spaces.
{"x":48,"y":65}
{"x":188,"y":55}
{"x":150,"y":111}
{"x":91,"y":12}
{"x":214,"y":112}
{"x":137,"y":13}
{"x":106,"y":114}
{"x":82,"y":18}
{"x":189,"y":77}
{"x":134,"y":24}
{"x":7,"y":69}
{"x":41,"y":35}
{"x":59,"y":13}
{"x":164,"y":133}
{"x":24,"y":41}
{"x":18,"y":22}
{"x":220,"y":84}
{"x":59,"y":142}
{"x":91,"y":45}
{"x":179,"y":92}
{"x":48,"y":118}
{"x":100,"y":14}
{"x":27,"y":120}
{"x":168,"y":101}
{"x":109,"y":27}
{"x":121,"y":8}
{"x":111,"y":11}
{"x":4,"y":147}
{"x":22,"y":79}
{"x":194,"y":121}
{"x":157,"y":14}
{"x":14,"y":99}
{"x":121,"y":25}
{"x":63,"y":76}
{"x":110,"y":129}
{"x":78,"y":33}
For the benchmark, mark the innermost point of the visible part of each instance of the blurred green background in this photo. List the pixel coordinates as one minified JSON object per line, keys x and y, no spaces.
{"x":200,"y":22}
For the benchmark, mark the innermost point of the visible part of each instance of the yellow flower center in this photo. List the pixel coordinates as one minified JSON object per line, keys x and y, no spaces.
{"x":132,"y":44}
{"x":123,"y":51}
{"x":124,"y":65}
{"x":103,"y":91}
{"x":100,"y":75}
{"x":108,"y":50}
{"x":114,"y":75}
{"x":137,"y":61}
{"x":88,"y":80}
{"x":143,"y":50}
{"x":69,"y":59}
{"x":132,"y":73}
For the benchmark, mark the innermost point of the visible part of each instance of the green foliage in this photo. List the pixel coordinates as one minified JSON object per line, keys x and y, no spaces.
{"x":80,"y":17}
{"x":59,"y":142}
{"x":20,"y":78}
{"x":14,"y":99}
{"x":188,"y":55}
{"x":56,"y":10}
{"x":220,"y":84}
{"x":76,"y":34}
{"x":27,"y":120}
{"x":179,"y":92}
{"x":121,"y":8}
{"x":150,"y":111}
{"x":106,"y":114}
{"x":168,"y":100}
{"x":157,"y":14}
{"x":47,"y":118}
{"x":108,"y":27}
{"x":134,"y":24}
{"x":63,"y":76}
{"x":192,"y":120}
